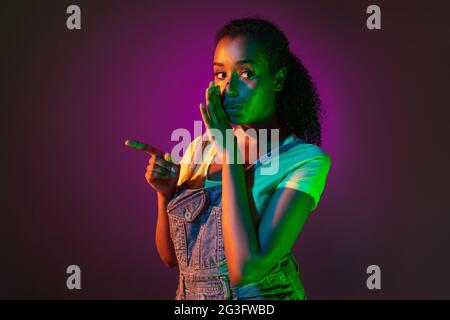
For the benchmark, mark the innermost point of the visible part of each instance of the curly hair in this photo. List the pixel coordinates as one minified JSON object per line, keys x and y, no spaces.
{"x":298,"y":102}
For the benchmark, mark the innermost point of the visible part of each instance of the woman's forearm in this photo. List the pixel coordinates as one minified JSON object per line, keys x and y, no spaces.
{"x":164,"y":243}
{"x":239,"y":231}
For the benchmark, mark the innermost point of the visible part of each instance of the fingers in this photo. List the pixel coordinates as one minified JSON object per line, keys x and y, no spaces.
{"x":162,"y":165}
{"x":144,"y":147}
{"x":208,"y":107}
{"x":168,"y":157}
{"x":159,"y":168}
{"x":214,"y":105}
{"x":217,"y":104}
{"x":220,"y":111}
{"x":210,"y":85}
{"x":151,"y":175}
{"x":205,"y":116}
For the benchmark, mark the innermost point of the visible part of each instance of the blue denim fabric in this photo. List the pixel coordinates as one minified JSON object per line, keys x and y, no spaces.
{"x":195,"y":217}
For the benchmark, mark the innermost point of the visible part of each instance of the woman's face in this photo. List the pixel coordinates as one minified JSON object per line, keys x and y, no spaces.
{"x":247,"y":88}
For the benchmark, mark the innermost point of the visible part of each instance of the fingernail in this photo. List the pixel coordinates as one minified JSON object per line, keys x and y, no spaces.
{"x":173,"y":169}
{"x":167,"y":157}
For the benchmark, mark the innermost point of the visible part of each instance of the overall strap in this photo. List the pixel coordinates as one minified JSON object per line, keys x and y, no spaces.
{"x":277,"y":151}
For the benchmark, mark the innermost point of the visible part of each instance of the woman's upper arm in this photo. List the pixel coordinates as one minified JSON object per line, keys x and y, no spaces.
{"x":310,"y":177}
{"x":278,"y":229}
{"x":282,"y":222}
{"x":292,"y":201}
{"x":287,"y":211}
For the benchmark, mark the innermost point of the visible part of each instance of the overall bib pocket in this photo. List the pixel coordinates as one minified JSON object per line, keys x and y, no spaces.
{"x":196,"y":229}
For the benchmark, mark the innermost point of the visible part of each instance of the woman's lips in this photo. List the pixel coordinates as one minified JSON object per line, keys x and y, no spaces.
{"x":233,"y":107}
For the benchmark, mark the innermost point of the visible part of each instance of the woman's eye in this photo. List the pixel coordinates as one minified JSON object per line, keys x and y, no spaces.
{"x":221,"y":75}
{"x":247,"y":74}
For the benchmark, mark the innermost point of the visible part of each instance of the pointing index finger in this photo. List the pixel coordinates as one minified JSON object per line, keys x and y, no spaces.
{"x":144,"y":147}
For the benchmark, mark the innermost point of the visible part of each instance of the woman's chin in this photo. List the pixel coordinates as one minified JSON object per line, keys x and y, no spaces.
{"x":236,"y":120}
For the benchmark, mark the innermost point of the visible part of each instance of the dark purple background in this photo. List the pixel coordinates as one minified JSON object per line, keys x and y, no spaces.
{"x":73,"y":194}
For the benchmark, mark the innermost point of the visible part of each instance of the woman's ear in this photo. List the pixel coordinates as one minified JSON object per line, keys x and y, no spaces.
{"x":280,"y":77}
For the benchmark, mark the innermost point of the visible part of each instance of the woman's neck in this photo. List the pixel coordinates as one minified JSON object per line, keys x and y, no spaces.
{"x":272,"y":124}
{"x":247,"y":141}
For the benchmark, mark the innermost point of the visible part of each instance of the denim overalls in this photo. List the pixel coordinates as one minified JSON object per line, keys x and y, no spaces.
{"x":195,"y":217}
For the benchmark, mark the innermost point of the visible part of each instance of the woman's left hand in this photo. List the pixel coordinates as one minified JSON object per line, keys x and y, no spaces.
{"x":215,"y":117}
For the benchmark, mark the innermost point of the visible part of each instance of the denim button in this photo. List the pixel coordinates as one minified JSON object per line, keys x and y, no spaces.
{"x":188,"y":215}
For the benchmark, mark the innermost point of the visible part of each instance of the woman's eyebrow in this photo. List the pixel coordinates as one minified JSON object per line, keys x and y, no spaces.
{"x":238,"y":62}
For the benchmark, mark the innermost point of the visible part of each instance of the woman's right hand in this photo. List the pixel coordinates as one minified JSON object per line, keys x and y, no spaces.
{"x":161,"y":174}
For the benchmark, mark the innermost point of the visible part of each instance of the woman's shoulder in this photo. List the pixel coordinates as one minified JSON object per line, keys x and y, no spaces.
{"x":302,"y":151}
{"x":305,"y":168}
{"x":305,"y":159}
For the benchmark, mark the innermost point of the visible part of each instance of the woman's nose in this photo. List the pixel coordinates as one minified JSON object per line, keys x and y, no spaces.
{"x":231,"y":91}
{"x":231,"y":87}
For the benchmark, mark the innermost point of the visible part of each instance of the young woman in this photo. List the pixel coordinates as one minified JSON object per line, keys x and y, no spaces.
{"x":228,"y":226}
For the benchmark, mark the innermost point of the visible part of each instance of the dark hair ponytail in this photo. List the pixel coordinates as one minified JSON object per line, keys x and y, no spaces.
{"x":297,"y":103}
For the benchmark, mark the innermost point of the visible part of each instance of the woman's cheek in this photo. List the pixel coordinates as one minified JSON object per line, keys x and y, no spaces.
{"x":247,"y":89}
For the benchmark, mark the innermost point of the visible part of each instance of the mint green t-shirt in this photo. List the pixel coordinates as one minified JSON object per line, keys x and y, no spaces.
{"x":304,"y":167}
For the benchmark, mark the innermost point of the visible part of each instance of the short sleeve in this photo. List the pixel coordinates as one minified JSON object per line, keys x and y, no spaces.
{"x":309,"y":177}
